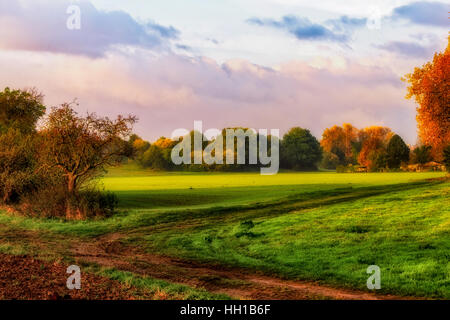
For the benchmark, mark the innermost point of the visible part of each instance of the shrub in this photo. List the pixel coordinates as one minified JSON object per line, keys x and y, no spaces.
{"x":54,"y":201}
{"x":329,"y":161}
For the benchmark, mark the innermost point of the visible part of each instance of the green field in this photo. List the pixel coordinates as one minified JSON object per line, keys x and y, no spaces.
{"x":323,"y":226}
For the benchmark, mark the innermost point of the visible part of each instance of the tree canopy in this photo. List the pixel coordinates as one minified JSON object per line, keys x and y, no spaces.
{"x":82,"y":146}
{"x":397,"y":152}
{"x":430,"y":87}
{"x":20,"y":109}
{"x":300,"y":150}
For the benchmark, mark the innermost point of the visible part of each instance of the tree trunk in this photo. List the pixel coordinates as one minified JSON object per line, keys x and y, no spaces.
{"x":71,"y":183}
{"x":72,"y":212}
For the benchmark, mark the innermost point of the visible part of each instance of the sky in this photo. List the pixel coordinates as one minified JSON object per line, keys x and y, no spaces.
{"x":263,"y":64}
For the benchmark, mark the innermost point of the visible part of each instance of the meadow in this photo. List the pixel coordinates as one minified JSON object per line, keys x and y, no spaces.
{"x":323,"y":227}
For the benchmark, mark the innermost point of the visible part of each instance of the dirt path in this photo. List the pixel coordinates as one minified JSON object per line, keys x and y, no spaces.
{"x":237,"y":283}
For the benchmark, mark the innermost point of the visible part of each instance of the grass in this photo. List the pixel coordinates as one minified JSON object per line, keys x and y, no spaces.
{"x":322,"y":226}
{"x":405,"y":233}
{"x":162,"y":290}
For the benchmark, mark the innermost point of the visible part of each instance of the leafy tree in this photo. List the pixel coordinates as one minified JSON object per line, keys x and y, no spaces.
{"x":156,"y":158}
{"x":138,"y":145}
{"x":430,"y":86}
{"x":300,"y":150}
{"x":17,"y":165}
{"x":374,"y":141}
{"x":340,"y":141}
{"x":397,"y":152}
{"x":81,"y":147}
{"x":166,"y":143}
{"x":422,"y":154}
{"x":20,"y":109}
{"x":379,"y":160}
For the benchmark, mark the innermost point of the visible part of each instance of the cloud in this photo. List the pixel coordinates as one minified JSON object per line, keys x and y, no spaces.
{"x":41,"y":25}
{"x":302,"y":28}
{"x":407,"y":49}
{"x":345,"y":23}
{"x":425,"y":13}
{"x":170,"y":91}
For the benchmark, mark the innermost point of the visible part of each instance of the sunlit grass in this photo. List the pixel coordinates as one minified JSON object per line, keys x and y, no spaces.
{"x":323,"y":226}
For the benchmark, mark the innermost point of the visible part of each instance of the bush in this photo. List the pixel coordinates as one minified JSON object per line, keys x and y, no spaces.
{"x":55,"y":202}
{"x":329,"y":161}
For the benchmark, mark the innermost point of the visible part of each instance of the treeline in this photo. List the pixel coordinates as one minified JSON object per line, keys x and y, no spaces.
{"x":298,"y":150}
{"x":344,"y":148}
{"x":374,"y":149}
{"x":49,"y":171}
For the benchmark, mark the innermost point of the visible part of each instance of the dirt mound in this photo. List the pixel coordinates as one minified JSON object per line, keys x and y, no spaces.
{"x":24,"y":278}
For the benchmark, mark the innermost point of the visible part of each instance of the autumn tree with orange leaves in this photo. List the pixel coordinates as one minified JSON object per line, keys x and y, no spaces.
{"x":340,"y":142}
{"x":430,"y":87}
{"x":374,"y":143}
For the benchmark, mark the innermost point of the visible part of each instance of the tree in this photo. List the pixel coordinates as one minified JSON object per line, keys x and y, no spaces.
{"x":156,"y":158}
{"x":430,"y":86}
{"x":81,"y":147}
{"x":20,"y":109}
{"x":17,"y":165}
{"x":333,"y":143}
{"x":374,"y":141}
{"x":300,"y":150}
{"x":422,"y":154}
{"x":339,"y":141}
{"x":138,"y":145}
{"x":397,"y":152}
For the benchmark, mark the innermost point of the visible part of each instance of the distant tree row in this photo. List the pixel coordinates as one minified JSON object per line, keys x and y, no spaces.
{"x":375,"y":148}
{"x":299,"y":150}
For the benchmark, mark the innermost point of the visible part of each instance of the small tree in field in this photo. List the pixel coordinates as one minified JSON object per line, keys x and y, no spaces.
{"x":81,"y":147}
{"x":397,"y":152}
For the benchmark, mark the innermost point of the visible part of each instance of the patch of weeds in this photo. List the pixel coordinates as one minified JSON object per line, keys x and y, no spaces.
{"x":426,"y":246}
{"x":357,"y":229}
{"x":244,"y":230}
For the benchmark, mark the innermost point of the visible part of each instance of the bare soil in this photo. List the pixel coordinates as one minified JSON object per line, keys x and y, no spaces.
{"x":24,"y":278}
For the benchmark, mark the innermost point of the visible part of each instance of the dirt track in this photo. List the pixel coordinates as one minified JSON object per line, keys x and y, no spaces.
{"x":108,"y":251}
{"x":237,"y":283}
